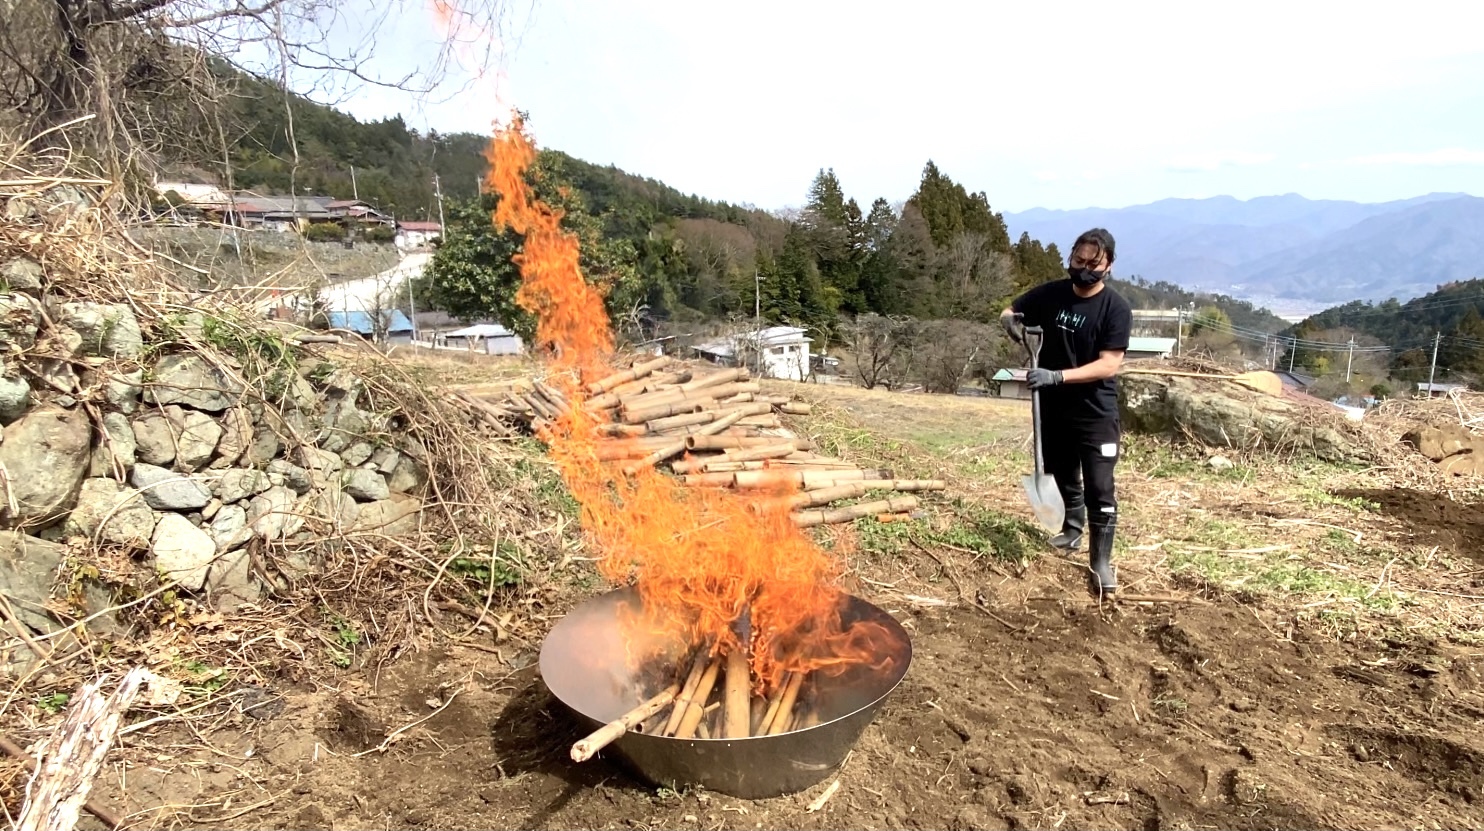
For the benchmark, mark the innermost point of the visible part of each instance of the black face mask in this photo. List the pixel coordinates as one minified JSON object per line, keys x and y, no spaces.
{"x":1086,"y":277}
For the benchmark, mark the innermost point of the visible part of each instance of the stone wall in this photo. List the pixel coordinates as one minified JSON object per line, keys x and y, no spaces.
{"x":171,"y":457}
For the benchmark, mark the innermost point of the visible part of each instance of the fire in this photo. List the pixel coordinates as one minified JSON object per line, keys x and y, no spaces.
{"x":713,"y":567}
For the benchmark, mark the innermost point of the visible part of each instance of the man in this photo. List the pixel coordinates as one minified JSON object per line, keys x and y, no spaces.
{"x":1086,"y":330}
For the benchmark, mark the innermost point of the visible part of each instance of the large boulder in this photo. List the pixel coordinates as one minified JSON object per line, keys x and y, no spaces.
{"x":124,"y":515}
{"x":46,"y":455}
{"x":1223,"y":414}
{"x":28,"y":567}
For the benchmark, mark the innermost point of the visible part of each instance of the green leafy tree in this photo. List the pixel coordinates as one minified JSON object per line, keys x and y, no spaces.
{"x":472,"y":274}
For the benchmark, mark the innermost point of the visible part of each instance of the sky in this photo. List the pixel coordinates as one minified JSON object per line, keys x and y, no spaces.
{"x":1053,"y":103}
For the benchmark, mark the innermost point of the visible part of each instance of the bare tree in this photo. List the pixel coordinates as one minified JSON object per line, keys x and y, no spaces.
{"x":876,"y":343}
{"x":948,"y":351}
{"x":151,"y":72}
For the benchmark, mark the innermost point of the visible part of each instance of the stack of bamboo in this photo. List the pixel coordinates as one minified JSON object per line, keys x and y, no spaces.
{"x":713,"y":429}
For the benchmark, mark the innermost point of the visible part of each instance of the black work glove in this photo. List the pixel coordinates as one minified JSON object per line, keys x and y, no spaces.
{"x":1041,"y":378}
{"x":1013,"y":327}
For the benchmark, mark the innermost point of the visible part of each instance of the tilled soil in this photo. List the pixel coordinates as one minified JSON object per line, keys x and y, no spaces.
{"x":1060,"y":714}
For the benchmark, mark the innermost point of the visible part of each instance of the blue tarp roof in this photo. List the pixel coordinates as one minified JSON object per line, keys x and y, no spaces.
{"x":360,"y":322}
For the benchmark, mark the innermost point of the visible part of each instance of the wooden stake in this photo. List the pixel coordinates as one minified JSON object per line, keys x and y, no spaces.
{"x":610,"y":732}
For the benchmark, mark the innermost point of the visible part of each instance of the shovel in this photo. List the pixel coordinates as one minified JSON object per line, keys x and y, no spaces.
{"x":1040,"y":488}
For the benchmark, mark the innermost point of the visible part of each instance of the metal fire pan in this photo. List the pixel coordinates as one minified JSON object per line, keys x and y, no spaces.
{"x":584,"y":664}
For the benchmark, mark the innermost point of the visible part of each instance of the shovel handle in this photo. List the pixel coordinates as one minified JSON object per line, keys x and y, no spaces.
{"x":1032,"y":339}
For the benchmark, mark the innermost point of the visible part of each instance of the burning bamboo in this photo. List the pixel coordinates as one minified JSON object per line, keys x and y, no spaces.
{"x":659,"y":455}
{"x":729,"y":442}
{"x":898,"y":504}
{"x":786,"y":705}
{"x":697,"y":669}
{"x":696,"y":708}
{"x":738,"y":714}
{"x":610,"y":732}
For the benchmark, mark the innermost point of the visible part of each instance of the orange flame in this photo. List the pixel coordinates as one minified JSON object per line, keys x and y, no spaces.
{"x":701,"y":559}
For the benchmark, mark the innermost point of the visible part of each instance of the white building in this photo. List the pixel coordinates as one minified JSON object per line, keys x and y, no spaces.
{"x":775,"y":352}
{"x":489,"y":338}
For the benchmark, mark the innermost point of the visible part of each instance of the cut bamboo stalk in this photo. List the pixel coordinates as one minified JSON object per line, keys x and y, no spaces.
{"x":786,"y":706}
{"x":820,"y":496}
{"x":740,"y":398}
{"x":655,"y":458}
{"x":668,"y":396}
{"x":747,"y":409}
{"x":723,"y":423}
{"x":622,"y":430}
{"x":732,"y":467}
{"x":805,"y":478}
{"x":702,"y":731}
{"x":708,"y":480}
{"x":757,"y":454}
{"x":693,"y":465}
{"x":759,"y":706}
{"x":775,"y":700}
{"x":737,"y":717}
{"x":634,"y":373}
{"x":770,"y":420}
{"x":652,"y":413}
{"x":716,"y":442}
{"x":836,"y":516}
{"x":795,"y":408}
{"x":610,"y":732}
{"x":697,"y":669}
{"x":539,"y":404}
{"x":685,"y":420}
{"x":884,"y":518}
{"x":552,"y":395}
{"x":904,"y":484}
{"x":696,"y":707}
{"x":715,"y":378}
{"x":617,"y":451}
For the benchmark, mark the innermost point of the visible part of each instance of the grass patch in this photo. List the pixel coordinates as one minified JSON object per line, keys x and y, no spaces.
{"x":1159,"y":459}
{"x":972,"y":528}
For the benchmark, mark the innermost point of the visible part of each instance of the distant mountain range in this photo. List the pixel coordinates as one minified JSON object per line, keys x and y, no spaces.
{"x":1291,"y":254}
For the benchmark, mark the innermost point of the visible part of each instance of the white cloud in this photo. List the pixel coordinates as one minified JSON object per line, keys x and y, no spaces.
{"x":1435,"y":158}
{"x":1217,"y":160}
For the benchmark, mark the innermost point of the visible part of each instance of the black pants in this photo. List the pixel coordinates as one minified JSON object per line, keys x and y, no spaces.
{"x":1081,"y":458}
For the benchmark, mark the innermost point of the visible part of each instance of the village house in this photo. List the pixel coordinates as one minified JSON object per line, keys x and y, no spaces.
{"x":774,"y":352}
{"x":417,"y":234}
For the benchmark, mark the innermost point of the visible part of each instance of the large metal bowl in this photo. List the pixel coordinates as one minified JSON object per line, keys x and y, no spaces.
{"x":583,"y":664}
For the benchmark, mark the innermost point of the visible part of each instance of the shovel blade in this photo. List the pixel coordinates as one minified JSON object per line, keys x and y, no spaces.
{"x":1045,"y":501}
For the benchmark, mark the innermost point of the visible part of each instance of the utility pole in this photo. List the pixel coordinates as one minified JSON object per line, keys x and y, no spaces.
{"x":1350,"y":359}
{"x":438,"y":189}
{"x":1179,"y":330}
{"x":355,"y":191}
{"x":1292,"y":349}
{"x":1433,"y":371}
{"x":757,"y":320}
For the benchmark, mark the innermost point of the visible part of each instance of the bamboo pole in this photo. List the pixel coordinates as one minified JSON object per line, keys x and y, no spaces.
{"x":805,"y":478}
{"x":655,"y":458}
{"x":737,"y":716}
{"x":708,"y":480}
{"x":714,"y":442}
{"x":695,"y":465}
{"x":613,"y":430}
{"x":697,"y":704}
{"x":610,"y":732}
{"x":697,"y":668}
{"x":895,"y":505}
{"x":809,"y":499}
{"x":795,"y":408}
{"x":758,"y":454}
{"x":660,"y":411}
{"x":634,"y":373}
{"x":786,"y":706}
{"x":775,"y":700}
{"x":885,"y":484}
{"x":715,"y":378}
{"x":684,"y":420}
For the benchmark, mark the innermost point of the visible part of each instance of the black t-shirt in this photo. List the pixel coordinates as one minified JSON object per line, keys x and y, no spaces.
{"x":1076,"y":330}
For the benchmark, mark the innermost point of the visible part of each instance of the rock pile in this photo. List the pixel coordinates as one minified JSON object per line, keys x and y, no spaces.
{"x":175,"y":452}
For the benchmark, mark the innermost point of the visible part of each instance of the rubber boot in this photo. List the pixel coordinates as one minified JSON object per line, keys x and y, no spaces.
{"x":1102,"y":580}
{"x":1070,"y":538}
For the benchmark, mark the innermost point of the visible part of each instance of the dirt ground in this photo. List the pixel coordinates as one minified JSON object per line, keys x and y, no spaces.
{"x":1295,"y":685}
